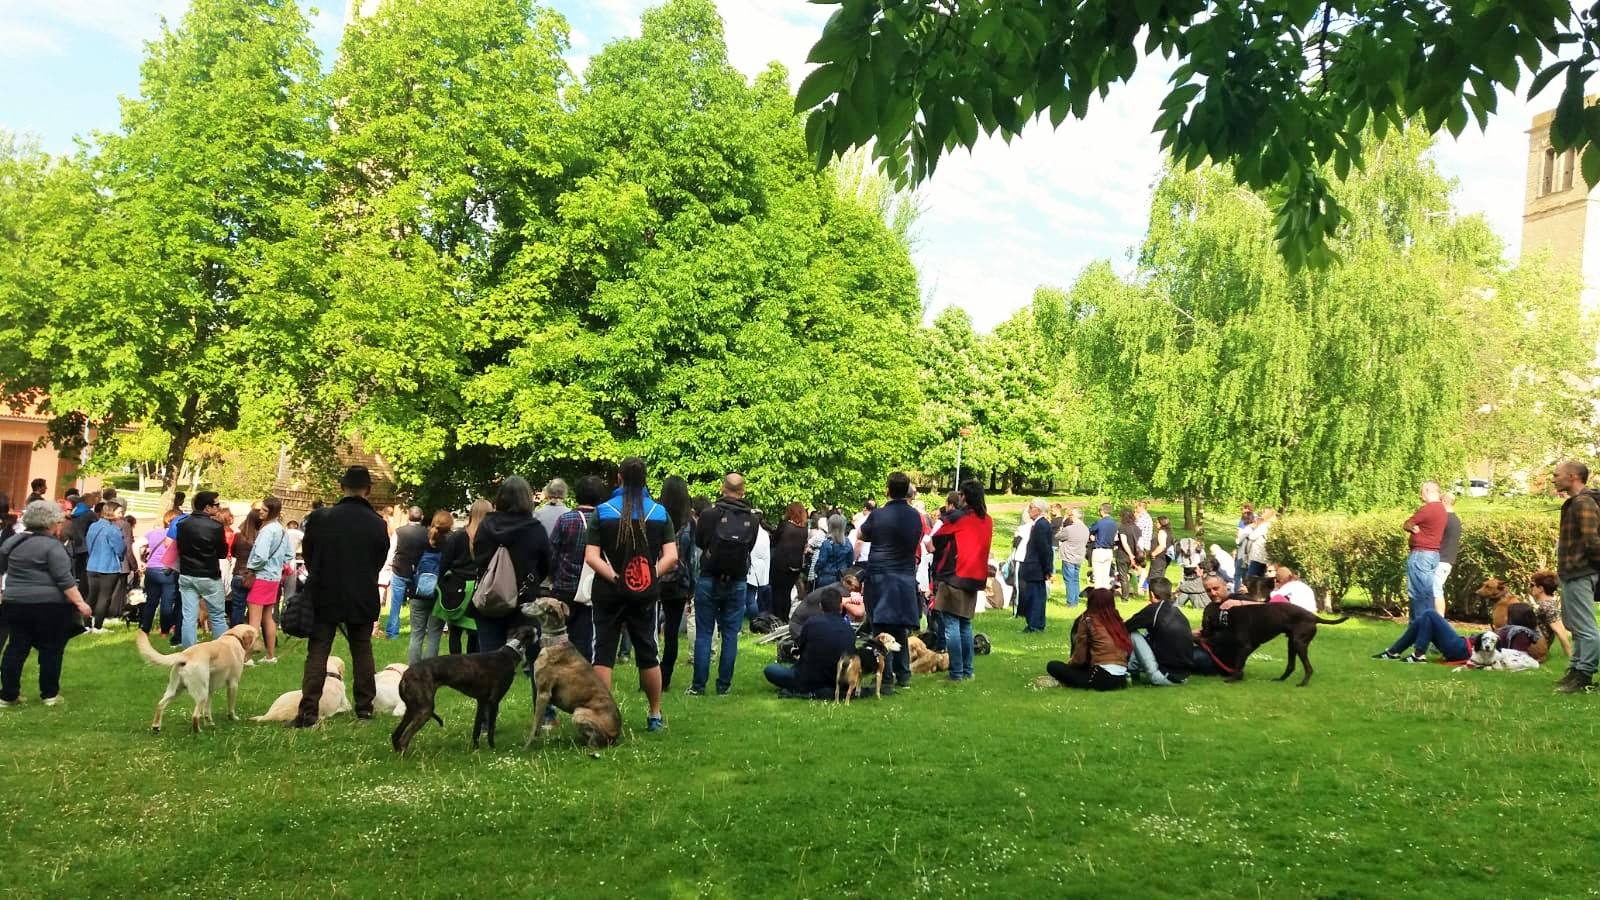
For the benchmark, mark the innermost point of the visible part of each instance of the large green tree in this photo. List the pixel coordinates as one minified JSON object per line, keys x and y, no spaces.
{"x":1281,"y":91}
{"x":175,"y":256}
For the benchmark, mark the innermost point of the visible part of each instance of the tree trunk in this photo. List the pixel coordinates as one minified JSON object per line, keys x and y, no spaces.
{"x":179,"y":446}
{"x":1188,"y":512}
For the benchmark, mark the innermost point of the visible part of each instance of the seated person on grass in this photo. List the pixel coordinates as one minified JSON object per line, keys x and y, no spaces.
{"x":1208,"y":659}
{"x":1428,"y":628}
{"x":825,"y":637}
{"x":836,"y":599}
{"x":1100,"y":648}
{"x":1163,"y":646}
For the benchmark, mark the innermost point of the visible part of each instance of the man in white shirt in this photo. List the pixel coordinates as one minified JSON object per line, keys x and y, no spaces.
{"x":1290,"y":589}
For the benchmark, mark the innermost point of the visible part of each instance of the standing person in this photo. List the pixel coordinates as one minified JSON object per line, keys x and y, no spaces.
{"x":1100,"y":648}
{"x":458,"y":572}
{"x":1128,"y":559}
{"x":1578,"y":567}
{"x":725,"y":534}
{"x":1241,"y":544}
{"x":345,"y":547}
{"x":36,"y":490}
{"x":960,"y":570}
{"x":893,"y":606}
{"x":84,"y":513}
{"x":788,"y":555}
{"x":758,"y":582}
{"x":1449,"y":544}
{"x":202,"y":546}
{"x":1102,"y":553}
{"x":677,"y":588}
{"x":834,"y":555}
{"x":1037,"y":570}
{"x":1147,"y":529}
{"x":410,"y":540}
{"x":1072,"y":542}
{"x":239,"y":549}
{"x":1257,"y":582}
{"x":130,"y":559}
{"x":1019,"y":553}
{"x":1425,"y":532}
{"x":1160,"y":549}
{"x":160,"y":581}
{"x":555,"y":506}
{"x":269,"y":555}
{"x":176,"y":515}
{"x":106,"y":550}
{"x":40,"y":605}
{"x":569,"y":543}
{"x":511,"y":525}
{"x":631,"y":548}
{"x":427,"y":628}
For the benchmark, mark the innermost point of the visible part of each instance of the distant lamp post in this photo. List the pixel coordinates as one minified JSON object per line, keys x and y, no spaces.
{"x":965,"y":432}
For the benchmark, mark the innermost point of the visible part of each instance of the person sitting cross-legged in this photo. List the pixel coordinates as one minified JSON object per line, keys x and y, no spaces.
{"x":823,"y":638}
{"x":1100,"y":648}
{"x":1163,"y":644}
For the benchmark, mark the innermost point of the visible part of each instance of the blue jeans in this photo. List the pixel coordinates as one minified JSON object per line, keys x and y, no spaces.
{"x":1577,"y":613}
{"x":1420,"y":566}
{"x":1069,"y":574}
{"x":160,"y":591}
{"x":717,"y":604}
{"x":193,"y":590}
{"x":1143,"y":659}
{"x":958,"y":643}
{"x":1429,"y":627}
{"x":781,"y":676}
{"x":1033,"y":599}
{"x":237,"y":607}
{"x":399,"y":586}
{"x":755,"y":600}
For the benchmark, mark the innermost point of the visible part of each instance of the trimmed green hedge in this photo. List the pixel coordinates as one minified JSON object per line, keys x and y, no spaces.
{"x":1335,"y":553}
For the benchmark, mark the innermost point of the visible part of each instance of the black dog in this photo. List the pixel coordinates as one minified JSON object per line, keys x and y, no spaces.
{"x":485,"y":677}
{"x":1235,"y":634}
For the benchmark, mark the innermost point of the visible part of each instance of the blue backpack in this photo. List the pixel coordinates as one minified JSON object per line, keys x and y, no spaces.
{"x":427,"y":574}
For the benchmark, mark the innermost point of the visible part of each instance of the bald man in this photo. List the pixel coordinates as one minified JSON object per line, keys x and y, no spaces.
{"x":1425,"y":532}
{"x":1578,"y":567}
{"x":725,"y":534}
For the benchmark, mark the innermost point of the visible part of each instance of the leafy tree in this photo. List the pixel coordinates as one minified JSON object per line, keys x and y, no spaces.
{"x":171,"y":260}
{"x":1281,"y":91}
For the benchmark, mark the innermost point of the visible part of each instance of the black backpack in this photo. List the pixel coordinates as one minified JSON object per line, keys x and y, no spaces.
{"x":728,"y":557}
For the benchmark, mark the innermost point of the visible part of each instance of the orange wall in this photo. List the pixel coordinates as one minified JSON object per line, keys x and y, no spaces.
{"x":46,"y":463}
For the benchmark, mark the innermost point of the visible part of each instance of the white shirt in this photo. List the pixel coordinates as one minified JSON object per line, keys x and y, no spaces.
{"x":1020,"y":553}
{"x":295,"y":537}
{"x":1297,"y":592}
{"x":760,"y":560}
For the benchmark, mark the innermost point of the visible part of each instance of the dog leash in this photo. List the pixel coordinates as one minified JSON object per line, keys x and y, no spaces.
{"x":1220,"y":664}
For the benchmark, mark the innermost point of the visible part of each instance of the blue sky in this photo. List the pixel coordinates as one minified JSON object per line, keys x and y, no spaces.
{"x":997,"y":222}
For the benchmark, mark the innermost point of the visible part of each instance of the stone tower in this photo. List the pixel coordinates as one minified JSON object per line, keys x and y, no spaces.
{"x":1559,"y":212}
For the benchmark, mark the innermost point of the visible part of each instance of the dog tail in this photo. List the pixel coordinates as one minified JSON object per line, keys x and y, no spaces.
{"x":1322,"y":621}
{"x":142,"y":641}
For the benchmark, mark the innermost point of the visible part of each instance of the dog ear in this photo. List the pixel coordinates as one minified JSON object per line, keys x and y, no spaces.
{"x":563,"y":609}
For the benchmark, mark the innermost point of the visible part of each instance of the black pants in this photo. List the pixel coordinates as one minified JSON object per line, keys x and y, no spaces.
{"x":359,"y":636}
{"x":45,"y":627}
{"x":898,"y":664}
{"x":580,"y":629}
{"x":1124,"y":567}
{"x":102,"y":595}
{"x":1092,"y":677}
{"x":456,"y":631}
{"x":672,"y":607}
{"x":783,"y":581}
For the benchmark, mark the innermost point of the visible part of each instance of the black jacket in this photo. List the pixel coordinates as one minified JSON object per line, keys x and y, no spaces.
{"x":201,"y":544}
{"x":409,"y":542}
{"x":522,"y":536}
{"x":1040,"y":559}
{"x":824,"y":640}
{"x":345,"y":547}
{"x":789,"y":547}
{"x":1170,"y":637}
{"x":705,"y":537}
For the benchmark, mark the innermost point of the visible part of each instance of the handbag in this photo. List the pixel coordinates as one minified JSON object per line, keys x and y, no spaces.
{"x":299,"y":616}
{"x":459,"y":616}
{"x":586,"y":577}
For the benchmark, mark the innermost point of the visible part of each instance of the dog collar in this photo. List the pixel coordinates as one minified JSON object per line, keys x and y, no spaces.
{"x":514,"y":643}
{"x":553,"y":637}
{"x":334,"y":677}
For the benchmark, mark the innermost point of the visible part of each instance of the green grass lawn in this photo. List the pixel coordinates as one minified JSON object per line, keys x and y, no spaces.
{"x":1379,"y":778}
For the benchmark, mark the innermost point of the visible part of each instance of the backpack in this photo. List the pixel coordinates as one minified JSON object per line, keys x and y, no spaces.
{"x":496,"y":593}
{"x":731,"y":542}
{"x":636,"y":577}
{"x":427,"y":574}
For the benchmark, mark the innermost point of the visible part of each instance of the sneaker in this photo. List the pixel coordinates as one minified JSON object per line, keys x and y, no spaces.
{"x":53,"y":701}
{"x":1575,"y":683}
{"x":249,"y":664}
{"x":1386,"y":655}
{"x":654,"y":723}
{"x":695,"y":692}
{"x":1415,"y":658}
{"x":270,"y":661}
{"x":10,"y":704}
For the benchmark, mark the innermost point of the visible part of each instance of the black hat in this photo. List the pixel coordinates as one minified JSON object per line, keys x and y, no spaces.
{"x":356,"y":478}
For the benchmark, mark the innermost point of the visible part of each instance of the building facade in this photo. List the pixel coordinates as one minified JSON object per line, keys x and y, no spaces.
{"x":1560,"y":215}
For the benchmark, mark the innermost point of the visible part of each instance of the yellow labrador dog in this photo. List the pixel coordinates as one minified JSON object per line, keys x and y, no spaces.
{"x":388,"y":702}
{"x":202,"y":670}
{"x":335,"y":699}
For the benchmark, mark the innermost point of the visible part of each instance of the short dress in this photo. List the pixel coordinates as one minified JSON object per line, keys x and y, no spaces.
{"x":262,"y":593}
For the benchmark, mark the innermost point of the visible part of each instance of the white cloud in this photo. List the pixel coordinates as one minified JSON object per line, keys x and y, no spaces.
{"x":131,"y":22}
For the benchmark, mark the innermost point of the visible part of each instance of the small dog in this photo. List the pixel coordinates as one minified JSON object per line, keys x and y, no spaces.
{"x":387,"y":702}
{"x":335,"y":699}
{"x":980,"y":644}
{"x":871,"y":658}
{"x":1236,"y":633}
{"x":564,"y":678}
{"x":203,"y":670}
{"x":485,"y":677}
{"x":925,"y":661}
{"x":1488,"y":654}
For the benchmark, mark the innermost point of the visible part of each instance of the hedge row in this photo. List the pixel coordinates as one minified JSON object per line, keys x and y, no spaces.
{"x":1335,"y":553}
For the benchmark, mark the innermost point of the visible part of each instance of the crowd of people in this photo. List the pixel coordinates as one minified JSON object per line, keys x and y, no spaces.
{"x":639,"y":571}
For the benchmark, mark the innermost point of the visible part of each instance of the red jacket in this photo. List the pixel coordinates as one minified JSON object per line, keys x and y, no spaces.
{"x":961,"y":551}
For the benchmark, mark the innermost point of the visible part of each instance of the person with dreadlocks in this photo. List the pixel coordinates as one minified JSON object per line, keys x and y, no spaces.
{"x":1100,"y":648}
{"x":631,"y":546}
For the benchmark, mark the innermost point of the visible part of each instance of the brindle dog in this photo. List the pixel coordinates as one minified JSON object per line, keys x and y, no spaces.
{"x":567,"y":680}
{"x":485,"y":677}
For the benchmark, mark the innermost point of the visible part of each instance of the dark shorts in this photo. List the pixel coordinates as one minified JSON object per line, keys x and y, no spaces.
{"x":641,"y":619}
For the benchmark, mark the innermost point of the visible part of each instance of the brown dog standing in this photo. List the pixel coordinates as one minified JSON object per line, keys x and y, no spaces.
{"x":567,"y":680}
{"x":1236,"y":633}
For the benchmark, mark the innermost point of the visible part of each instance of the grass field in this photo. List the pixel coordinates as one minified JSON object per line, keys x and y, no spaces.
{"x":1379,"y":778}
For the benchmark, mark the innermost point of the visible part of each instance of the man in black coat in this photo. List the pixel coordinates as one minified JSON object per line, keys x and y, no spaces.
{"x":1037,"y":568}
{"x":345,"y":547}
